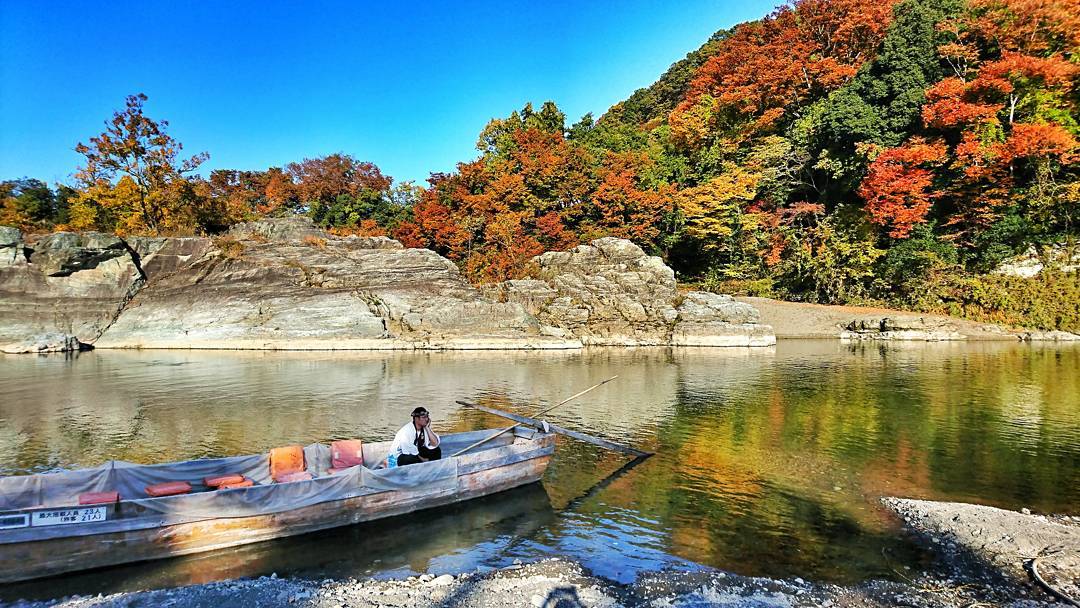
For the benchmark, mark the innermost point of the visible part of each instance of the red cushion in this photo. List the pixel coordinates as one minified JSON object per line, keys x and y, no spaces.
{"x":294,"y":476}
{"x":221,"y":480}
{"x":168,"y":488}
{"x":97,"y":498}
{"x":346,"y":453}
{"x":243,"y":483}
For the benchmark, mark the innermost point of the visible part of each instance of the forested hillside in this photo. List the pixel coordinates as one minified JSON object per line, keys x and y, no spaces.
{"x":844,"y":151}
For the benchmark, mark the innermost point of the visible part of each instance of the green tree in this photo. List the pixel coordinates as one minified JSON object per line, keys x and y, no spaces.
{"x":881,"y":105}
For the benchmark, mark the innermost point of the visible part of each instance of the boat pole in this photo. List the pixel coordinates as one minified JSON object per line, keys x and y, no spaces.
{"x":540,"y":413}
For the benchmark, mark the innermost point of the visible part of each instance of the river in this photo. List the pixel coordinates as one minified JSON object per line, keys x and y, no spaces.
{"x":768,"y":461}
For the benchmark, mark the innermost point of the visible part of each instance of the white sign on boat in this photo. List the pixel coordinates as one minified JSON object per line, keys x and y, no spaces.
{"x":67,"y":516}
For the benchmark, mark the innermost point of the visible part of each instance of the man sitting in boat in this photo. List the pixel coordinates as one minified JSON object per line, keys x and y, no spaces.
{"x":416,"y":442}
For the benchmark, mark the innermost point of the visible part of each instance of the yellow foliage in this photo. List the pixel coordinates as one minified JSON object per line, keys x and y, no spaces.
{"x":691,"y":127}
{"x":715,"y":208}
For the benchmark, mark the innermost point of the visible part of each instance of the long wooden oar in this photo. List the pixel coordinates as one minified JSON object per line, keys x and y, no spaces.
{"x":541,"y":413}
{"x":548,"y":427}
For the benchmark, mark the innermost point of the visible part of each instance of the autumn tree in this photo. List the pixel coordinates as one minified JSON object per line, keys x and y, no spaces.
{"x":134,"y":177}
{"x":32,"y":205}
{"x":768,"y":68}
{"x":899,"y":189}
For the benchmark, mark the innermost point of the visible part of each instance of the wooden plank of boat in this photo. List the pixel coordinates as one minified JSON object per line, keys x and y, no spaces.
{"x":546,"y":426}
{"x":481,"y":473}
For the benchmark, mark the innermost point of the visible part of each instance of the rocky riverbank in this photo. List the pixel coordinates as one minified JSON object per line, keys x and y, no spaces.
{"x":999,"y":547}
{"x":284,"y":284}
{"x":557,"y":583}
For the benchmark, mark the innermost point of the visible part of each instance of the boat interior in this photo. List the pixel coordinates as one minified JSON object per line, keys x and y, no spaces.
{"x":115,"y":482}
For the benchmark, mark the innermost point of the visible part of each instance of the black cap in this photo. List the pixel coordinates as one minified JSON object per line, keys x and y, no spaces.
{"x":420,"y":411}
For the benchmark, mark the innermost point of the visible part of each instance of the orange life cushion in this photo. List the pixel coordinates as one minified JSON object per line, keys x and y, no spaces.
{"x":346,"y":453}
{"x":243,"y":483}
{"x":97,"y":498}
{"x":289,"y":459}
{"x":294,"y":476}
{"x":221,"y":480}
{"x":168,"y":488}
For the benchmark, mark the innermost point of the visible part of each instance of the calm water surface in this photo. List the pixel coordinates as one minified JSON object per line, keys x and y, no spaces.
{"x":769,"y":461}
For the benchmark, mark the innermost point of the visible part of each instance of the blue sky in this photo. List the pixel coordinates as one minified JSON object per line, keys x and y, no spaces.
{"x":406,"y":86}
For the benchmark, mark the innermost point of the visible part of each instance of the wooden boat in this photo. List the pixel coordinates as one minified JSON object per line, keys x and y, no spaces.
{"x":51,"y":535}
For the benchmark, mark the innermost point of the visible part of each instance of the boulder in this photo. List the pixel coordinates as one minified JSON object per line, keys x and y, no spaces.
{"x":606,"y":293}
{"x":11,"y":247}
{"x":73,"y":285}
{"x":1032,"y":261}
{"x":902,"y":328}
{"x":610,"y":292}
{"x":64,"y":253}
{"x":277,"y":230}
{"x":709,"y":319}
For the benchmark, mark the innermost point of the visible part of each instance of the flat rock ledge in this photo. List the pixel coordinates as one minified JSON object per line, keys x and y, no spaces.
{"x":991,"y":544}
{"x":286,"y":284}
{"x":556,"y":583}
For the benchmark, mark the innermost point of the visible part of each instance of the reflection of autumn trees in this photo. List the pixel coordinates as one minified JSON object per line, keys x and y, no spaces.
{"x":797,"y":460}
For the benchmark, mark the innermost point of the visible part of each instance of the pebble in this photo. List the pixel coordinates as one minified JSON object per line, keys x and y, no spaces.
{"x":443,"y":580}
{"x":1026,"y":511}
{"x":537,"y":600}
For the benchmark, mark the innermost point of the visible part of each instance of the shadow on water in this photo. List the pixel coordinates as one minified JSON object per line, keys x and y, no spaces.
{"x":450,"y":539}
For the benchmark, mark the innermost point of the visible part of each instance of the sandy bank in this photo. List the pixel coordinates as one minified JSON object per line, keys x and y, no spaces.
{"x":801,"y":320}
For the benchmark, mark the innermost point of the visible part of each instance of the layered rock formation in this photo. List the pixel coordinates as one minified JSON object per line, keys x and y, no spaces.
{"x":63,"y":290}
{"x":610,"y":293}
{"x":284,"y":284}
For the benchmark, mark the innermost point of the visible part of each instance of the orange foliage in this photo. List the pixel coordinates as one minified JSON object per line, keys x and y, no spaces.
{"x":625,"y":209}
{"x":323,"y":179}
{"x":537,"y":192}
{"x":898,"y":186}
{"x":366,"y":227}
{"x":1027,"y":26}
{"x":796,"y":54}
{"x":948,"y":106}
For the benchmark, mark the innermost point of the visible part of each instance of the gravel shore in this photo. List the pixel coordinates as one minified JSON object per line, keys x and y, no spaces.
{"x":557,"y":583}
{"x":983,"y":554}
{"x":997,"y":545}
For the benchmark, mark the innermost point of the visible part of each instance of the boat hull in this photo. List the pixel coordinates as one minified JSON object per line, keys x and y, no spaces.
{"x":49,"y":557}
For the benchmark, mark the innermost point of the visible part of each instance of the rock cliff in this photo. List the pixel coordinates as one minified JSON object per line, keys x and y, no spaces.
{"x":284,"y":284}
{"x":610,"y":293}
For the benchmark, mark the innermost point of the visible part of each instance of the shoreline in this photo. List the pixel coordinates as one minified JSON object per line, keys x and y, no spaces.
{"x":288,"y":285}
{"x":557,"y":582}
{"x":993,"y":578}
{"x":806,"y":321}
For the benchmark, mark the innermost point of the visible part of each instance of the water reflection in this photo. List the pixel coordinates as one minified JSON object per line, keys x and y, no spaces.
{"x":769,"y":461}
